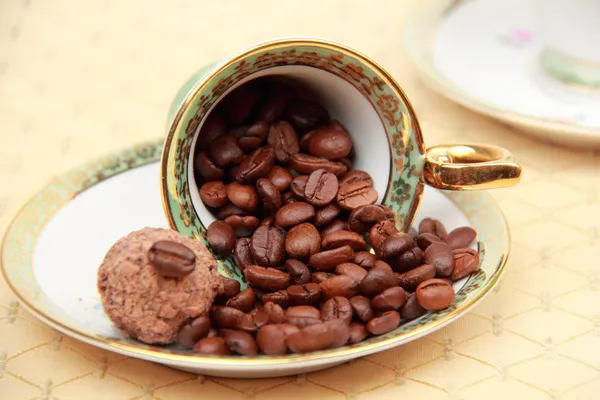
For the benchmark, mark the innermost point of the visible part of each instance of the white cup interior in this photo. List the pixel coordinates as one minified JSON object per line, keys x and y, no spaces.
{"x":344,"y":103}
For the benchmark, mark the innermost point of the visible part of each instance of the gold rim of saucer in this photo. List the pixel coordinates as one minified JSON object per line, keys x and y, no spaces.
{"x":21,"y":236}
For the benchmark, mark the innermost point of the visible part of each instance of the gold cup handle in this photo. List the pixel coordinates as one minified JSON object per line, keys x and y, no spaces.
{"x":470,"y":167}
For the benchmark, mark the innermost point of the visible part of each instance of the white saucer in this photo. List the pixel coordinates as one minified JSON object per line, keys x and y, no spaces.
{"x":53,"y":247}
{"x":483,"y":55}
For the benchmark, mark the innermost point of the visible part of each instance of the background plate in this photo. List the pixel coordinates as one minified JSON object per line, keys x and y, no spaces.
{"x":482,"y":54}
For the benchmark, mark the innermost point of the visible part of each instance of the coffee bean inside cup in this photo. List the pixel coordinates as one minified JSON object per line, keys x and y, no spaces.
{"x":325,"y":265}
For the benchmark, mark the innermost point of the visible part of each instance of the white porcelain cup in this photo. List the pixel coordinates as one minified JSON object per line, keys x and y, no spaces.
{"x":570,"y":30}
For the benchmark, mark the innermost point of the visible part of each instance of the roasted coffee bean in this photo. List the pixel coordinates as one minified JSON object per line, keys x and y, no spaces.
{"x":211,"y":346}
{"x":259,"y":316}
{"x":306,"y":164}
{"x":388,"y":212}
{"x":411,"y":279}
{"x":305,"y":139}
{"x":377,"y":280}
{"x":318,"y":277}
{"x":352,"y":270}
{"x":396,"y":244}
{"x":243,"y":196}
{"x":243,"y":301}
{"x":231,"y":318}
{"x":440,"y":256}
{"x":362,"y":308}
{"x":275,"y":312}
{"x":408,"y":260}
{"x":358,"y":332}
{"x":306,"y":294}
{"x":321,"y":188}
{"x":231,"y":288}
{"x":424,"y":240}
{"x":271,"y":338}
{"x":231,"y":172}
{"x":269,"y":313}
{"x":340,"y":330}
{"x":243,"y":226}
{"x":337,"y":308}
{"x":250,"y":137}
{"x":429,"y":225}
{"x":239,"y":342}
{"x":302,"y":316}
{"x":279,"y":297}
{"x":343,"y":238}
{"x":386,"y":322}
{"x":302,"y":241}
{"x":364,"y":259}
{"x":213,"y":333}
{"x":282,"y":137}
{"x":379,"y":232}
{"x":390,"y":299}
{"x":306,"y":114}
{"x":337,"y":125}
{"x":267,"y":278}
{"x":268,"y":245}
{"x":382,"y":264}
{"x":256,"y":165}
{"x":268,"y":221}
{"x":411,"y":309}
{"x":335,"y":225}
{"x":280,"y":177}
{"x":213,"y":126}
{"x":298,"y":271}
{"x":294,"y":214}
{"x":466,"y":261}
{"x":224,"y":150}
{"x":312,"y":338}
{"x":325,"y":215}
{"x":330,"y":143}
{"x":353,"y":195}
{"x":221,"y":237}
{"x":364,"y":217}
{"x":461,"y":237}
{"x":193,"y":331}
{"x":269,"y":195}
{"x":229,"y":210}
{"x":207,"y":167}
{"x":171,"y":259}
{"x":274,"y":107}
{"x":339,"y":285}
{"x":327,"y":260}
{"x":240,"y":103}
{"x":289,"y":198}
{"x":298,"y":185}
{"x":435,"y":294}
{"x":242,"y":254}
{"x":356,"y":176}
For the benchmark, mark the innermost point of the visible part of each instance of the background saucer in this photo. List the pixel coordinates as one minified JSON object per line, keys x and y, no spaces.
{"x":483,"y":55}
{"x":54,"y":246}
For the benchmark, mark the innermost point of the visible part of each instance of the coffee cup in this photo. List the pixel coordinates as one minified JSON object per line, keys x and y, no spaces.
{"x":356,"y":91}
{"x":570,"y":34}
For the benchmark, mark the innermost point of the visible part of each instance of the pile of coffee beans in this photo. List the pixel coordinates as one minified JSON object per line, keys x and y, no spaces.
{"x":326,"y":266}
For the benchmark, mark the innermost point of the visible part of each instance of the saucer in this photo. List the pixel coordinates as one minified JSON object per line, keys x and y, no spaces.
{"x":53,"y":247}
{"x":483,"y":54}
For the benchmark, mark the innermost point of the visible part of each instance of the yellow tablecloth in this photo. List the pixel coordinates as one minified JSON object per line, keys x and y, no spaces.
{"x":79,"y":79}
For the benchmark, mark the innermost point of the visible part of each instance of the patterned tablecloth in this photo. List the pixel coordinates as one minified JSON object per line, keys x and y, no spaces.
{"x":79,"y":79}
